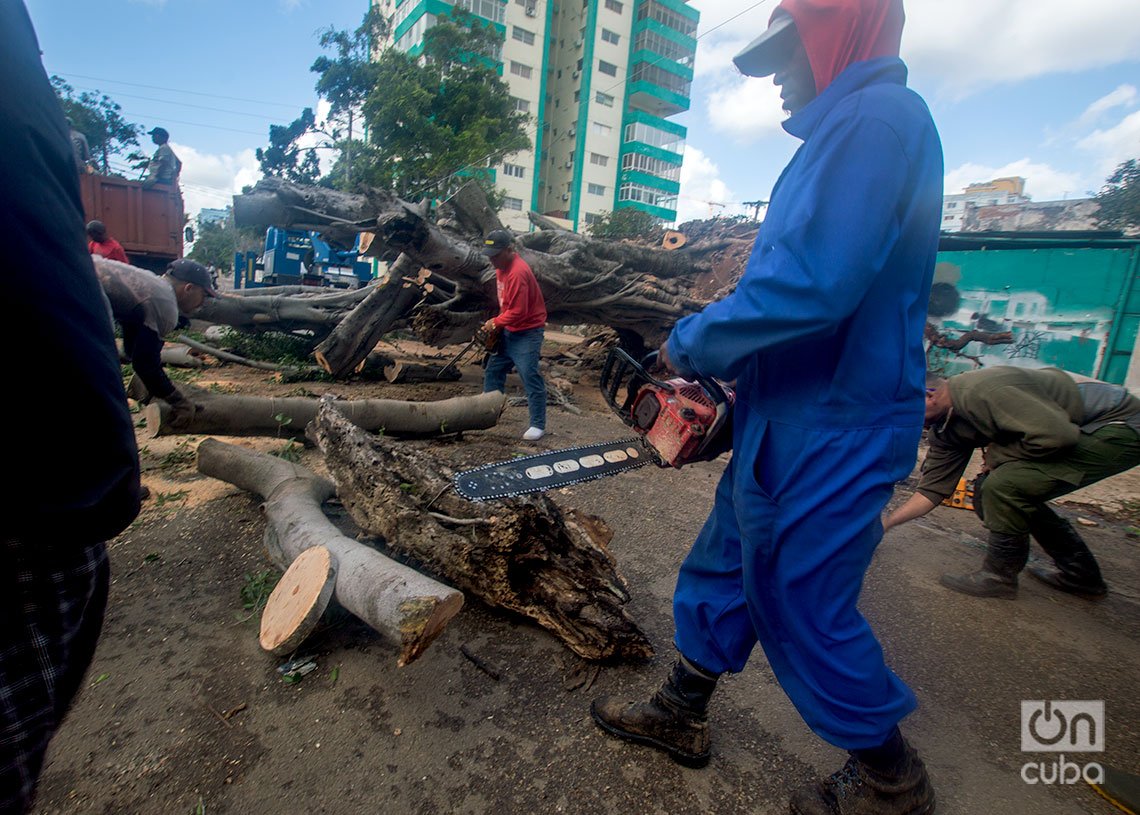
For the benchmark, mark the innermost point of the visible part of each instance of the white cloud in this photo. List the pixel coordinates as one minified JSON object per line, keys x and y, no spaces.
{"x":211,"y":179}
{"x":1113,"y":145}
{"x":703,"y":191}
{"x":746,"y":109}
{"x":972,"y":44}
{"x":1042,"y":182}
{"x":966,"y":45}
{"x":1124,"y":96}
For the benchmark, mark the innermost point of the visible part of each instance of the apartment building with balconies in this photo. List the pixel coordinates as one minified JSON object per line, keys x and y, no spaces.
{"x":600,"y":80}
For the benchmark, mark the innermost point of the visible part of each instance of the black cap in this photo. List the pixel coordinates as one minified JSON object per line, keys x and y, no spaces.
{"x":767,"y":53}
{"x":189,"y":271}
{"x":159,"y":131}
{"x":96,"y":228}
{"x":496,"y":241}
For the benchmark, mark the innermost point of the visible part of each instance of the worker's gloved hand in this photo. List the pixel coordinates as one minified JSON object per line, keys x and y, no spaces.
{"x":182,"y":410}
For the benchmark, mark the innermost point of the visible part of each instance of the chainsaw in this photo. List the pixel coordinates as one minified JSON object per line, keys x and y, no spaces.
{"x":677,"y":421}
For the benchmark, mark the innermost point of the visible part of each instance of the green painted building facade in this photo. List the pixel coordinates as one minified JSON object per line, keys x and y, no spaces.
{"x":1070,"y":301}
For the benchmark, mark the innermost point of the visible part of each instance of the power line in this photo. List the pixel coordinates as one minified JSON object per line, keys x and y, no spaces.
{"x":186,"y":104}
{"x":177,"y":90}
{"x":164,"y":119}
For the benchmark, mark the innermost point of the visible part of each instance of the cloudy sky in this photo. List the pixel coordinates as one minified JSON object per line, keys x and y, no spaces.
{"x":1045,"y":89}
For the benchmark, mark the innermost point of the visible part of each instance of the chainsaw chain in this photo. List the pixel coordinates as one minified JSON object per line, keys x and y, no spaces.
{"x":636,"y":441}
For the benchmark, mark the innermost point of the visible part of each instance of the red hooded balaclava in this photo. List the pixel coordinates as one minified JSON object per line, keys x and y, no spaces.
{"x":837,"y":33}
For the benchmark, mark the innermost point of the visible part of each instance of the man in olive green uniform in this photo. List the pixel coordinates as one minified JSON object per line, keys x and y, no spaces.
{"x":164,"y":166}
{"x":1043,"y":436}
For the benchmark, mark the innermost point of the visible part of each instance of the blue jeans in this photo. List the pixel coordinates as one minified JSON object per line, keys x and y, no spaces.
{"x":520,"y":350}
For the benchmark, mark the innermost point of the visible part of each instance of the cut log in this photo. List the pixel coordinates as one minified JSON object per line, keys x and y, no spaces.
{"x":226,"y":356}
{"x":298,"y":601}
{"x":342,"y":351}
{"x":403,"y":605}
{"x":471,"y":211}
{"x":286,"y":418}
{"x":408,"y":373}
{"x":522,"y":554}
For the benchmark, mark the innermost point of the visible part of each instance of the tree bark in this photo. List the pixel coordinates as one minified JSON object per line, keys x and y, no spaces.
{"x":342,"y":351}
{"x":401,"y":604}
{"x":522,"y":554}
{"x":412,"y":372}
{"x":636,"y":289}
{"x":286,"y":418}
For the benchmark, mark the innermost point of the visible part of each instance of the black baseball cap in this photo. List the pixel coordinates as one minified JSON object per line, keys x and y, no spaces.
{"x":770,"y":51}
{"x":496,"y":241}
{"x":190,"y":271}
{"x":159,"y":131}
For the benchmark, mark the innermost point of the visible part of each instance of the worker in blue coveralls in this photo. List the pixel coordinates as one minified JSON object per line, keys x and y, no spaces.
{"x":823,"y":428}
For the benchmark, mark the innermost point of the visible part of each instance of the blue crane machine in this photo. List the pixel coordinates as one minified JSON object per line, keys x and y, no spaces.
{"x":295,"y":258}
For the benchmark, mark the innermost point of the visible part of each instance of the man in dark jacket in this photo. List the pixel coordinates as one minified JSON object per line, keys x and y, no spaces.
{"x":820,"y":436}
{"x":1044,"y":436}
{"x":77,"y":485}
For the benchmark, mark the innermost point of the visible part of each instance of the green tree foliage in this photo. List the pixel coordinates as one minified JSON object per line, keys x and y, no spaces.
{"x":218,"y":241}
{"x":99,"y":118}
{"x":285,"y":157}
{"x":438,"y":122}
{"x":433,"y":122}
{"x":624,"y":223}
{"x":346,"y":78}
{"x":1119,"y":199}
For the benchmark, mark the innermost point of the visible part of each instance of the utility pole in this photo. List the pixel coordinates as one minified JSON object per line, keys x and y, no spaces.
{"x":755,"y":208}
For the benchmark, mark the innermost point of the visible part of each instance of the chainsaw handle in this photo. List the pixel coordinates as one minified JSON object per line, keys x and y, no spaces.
{"x":723,"y":411}
{"x":713,"y":387}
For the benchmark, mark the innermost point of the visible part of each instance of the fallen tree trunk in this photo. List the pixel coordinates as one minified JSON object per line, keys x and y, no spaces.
{"x":522,"y":554}
{"x":318,"y":313}
{"x":286,"y":418}
{"x":226,"y":356}
{"x":408,"y":373}
{"x":342,"y":351}
{"x":633,"y":288}
{"x":403,"y":605}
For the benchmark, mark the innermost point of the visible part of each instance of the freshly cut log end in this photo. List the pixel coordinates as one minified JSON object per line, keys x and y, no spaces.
{"x":404,"y":607}
{"x":298,"y":601}
{"x":424,"y":619}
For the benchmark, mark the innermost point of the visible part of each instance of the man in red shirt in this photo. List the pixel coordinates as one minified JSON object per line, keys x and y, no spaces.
{"x":522,"y":318}
{"x":100,"y":243}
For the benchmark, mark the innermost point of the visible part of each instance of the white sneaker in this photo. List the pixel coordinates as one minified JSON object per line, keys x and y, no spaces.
{"x":533,"y":434}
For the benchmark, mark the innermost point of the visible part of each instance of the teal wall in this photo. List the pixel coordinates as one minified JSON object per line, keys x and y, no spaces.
{"x":1075,"y":307}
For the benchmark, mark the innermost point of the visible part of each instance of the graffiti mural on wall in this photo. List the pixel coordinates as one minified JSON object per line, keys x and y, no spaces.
{"x":1042,"y":334}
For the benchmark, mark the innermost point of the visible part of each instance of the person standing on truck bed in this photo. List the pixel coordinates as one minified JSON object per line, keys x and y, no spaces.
{"x":147,"y":308}
{"x":101,"y":244}
{"x":164,"y":166}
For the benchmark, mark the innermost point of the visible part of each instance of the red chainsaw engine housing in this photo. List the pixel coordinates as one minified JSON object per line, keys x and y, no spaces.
{"x":675,"y":420}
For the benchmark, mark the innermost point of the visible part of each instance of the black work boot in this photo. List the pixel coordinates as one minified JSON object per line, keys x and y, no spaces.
{"x":900,"y":787}
{"x":1006,"y":555}
{"x":674,"y":719}
{"x":1076,"y":570}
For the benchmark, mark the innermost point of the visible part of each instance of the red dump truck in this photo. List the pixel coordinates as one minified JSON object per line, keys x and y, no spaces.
{"x":147,"y":221}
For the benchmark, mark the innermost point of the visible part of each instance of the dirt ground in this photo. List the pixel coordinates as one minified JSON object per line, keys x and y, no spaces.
{"x":183,"y":713}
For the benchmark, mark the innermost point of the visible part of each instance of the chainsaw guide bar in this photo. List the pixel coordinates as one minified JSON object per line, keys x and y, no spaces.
{"x":551,"y":470}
